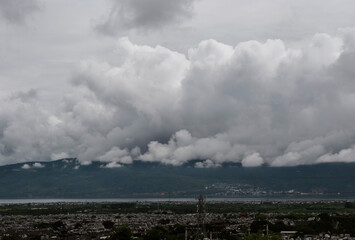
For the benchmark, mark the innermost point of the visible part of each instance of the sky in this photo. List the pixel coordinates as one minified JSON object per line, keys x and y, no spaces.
{"x":253,"y":82}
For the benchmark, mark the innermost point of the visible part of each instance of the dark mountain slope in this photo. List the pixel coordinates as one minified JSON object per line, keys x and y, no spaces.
{"x":60,"y":179}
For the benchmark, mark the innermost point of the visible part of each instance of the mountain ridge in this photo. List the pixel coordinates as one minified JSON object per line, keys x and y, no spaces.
{"x":65,"y":178}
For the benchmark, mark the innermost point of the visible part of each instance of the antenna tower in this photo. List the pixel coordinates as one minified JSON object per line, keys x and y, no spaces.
{"x":201,"y":215}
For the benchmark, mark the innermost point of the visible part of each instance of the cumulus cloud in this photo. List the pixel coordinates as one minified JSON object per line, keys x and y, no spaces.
{"x":254,"y":103}
{"x":207,"y":164}
{"x":116,"y":155}
{"x":345,"y":155}
{"x":26,"y":166}
{"x":112,"y":165}
{"x":16,"y":11}
{"x":34,"y":165}
{"x":252,"y":160}
{"x":182,"y":147}
{"x":56,"y":156}
{"x":38,"y":165}
{"x":145,"y":15}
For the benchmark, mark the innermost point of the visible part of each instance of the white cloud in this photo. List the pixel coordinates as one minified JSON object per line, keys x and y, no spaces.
{"x":345,"y":155}
{"x":38,"y":165}
{"x":56,"y":156}
{"x":26,"y":166}
{"x":252,"y":160}
{"x":35,"y":165}
{"x":207,"y":164}
{"x":113,"y":165}
{"x":116,"y":155}
{"x":182,"y":147}
{"x":254,"y":103}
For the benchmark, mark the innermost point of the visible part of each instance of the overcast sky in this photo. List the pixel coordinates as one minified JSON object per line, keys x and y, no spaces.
{"x":250,"y":81}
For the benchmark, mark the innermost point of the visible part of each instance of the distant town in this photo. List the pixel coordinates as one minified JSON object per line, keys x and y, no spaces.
{"x":248,"y":190}
{"x":198,"y":219}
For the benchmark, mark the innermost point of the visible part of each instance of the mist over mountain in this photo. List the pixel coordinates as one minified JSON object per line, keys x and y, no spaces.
{"x":66,"y":178}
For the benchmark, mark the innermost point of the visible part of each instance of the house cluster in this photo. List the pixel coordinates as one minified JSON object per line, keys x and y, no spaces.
{"x":90,"y":225}
{"x":75,"y":226}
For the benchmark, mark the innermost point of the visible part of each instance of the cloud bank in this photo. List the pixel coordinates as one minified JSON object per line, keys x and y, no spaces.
{"x":145,"y":15}
{"x":255,"y":103}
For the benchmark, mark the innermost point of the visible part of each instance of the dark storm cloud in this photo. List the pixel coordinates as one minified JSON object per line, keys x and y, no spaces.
{"x":145,"y":15}
{"x":16,"y":11}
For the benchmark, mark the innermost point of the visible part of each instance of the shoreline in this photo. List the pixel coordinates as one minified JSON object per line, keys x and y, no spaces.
{"x":179,"y":200}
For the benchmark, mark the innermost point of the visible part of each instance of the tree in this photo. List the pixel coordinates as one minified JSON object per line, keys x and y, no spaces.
{"x":123,"y":233}
{"x":259,"y":236}
{"x":108,"y":224}
{"x":349,"y":205}
{"x":154,"y":234}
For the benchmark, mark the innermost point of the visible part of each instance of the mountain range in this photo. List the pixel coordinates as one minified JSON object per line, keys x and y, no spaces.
{"x":66,"y":178}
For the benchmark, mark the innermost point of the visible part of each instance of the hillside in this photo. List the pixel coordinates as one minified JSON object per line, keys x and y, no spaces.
{"x":62,"y":179}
